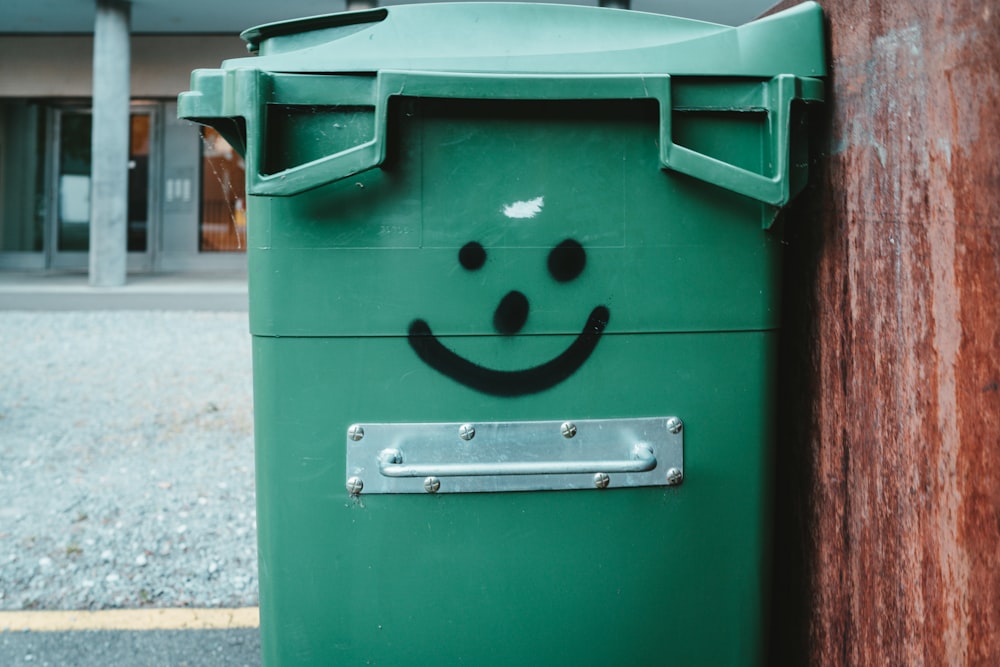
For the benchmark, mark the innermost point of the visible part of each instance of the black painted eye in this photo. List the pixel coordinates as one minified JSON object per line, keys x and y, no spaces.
{"x":472,"y":256}
{"x":566,"y":261}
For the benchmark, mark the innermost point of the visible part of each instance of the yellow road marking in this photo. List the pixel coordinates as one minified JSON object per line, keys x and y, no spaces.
{"x":130,"y":619}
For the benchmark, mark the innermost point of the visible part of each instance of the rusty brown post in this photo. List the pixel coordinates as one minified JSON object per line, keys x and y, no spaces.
{"x":888,"y":487}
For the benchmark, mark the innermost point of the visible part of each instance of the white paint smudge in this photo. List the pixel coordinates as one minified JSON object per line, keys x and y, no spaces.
{"x":524,"y":209}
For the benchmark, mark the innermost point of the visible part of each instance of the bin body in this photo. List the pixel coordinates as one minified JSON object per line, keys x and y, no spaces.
{"x":506,"y":261}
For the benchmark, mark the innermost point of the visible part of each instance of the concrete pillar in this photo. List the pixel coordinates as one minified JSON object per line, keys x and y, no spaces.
{"x":109,"y":170}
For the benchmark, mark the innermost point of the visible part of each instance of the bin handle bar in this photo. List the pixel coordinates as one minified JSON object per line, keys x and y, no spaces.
{"x":390,"y":463}
{"x":771,"y":188}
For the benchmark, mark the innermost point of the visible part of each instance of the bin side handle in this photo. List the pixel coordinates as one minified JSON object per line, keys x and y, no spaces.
{"x":772,"y":188}
{"x":502,"y":456}
{"x":448,"y":85}
{"x":391,"y":464}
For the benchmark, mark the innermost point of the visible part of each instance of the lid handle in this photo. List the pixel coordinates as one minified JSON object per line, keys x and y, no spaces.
{"x":253,"y":90}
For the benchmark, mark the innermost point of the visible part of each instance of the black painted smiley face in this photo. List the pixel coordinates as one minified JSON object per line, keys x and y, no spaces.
{"x":566,"y":262}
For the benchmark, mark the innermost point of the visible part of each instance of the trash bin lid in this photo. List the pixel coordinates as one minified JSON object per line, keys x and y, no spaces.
{"x":530,"y":38}
{"x":504,"y":51}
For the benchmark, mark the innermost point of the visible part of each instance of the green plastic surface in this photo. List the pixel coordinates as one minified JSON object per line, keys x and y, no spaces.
{"x":349,"y":258}
{"x":623,"y":577}
{"x":410,"y":169}
{"x":542,"y":38}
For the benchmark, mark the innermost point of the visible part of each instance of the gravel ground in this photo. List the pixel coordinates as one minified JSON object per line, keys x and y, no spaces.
{"x":126,"y":460}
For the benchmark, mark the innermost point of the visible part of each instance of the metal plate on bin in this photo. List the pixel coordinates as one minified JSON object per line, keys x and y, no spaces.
{"x":471,"y":457}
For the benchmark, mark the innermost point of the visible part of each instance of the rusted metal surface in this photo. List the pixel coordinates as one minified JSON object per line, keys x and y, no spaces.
{"x":888,"y":489}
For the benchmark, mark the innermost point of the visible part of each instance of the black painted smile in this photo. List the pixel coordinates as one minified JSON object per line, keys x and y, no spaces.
{"x":508,"y":383}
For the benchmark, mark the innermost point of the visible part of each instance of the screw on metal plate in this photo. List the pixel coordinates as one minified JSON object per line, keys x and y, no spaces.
{"x":390,"y":456}
{"x":568,"y":429}
{"x":356,"y":432}
{"x":674,"y":425}
{"x":467,"y":431}
{"x":675,"y":476}
{"x":354,"y":485}
{"x":432,"y":485}
{"x":601,"y":480}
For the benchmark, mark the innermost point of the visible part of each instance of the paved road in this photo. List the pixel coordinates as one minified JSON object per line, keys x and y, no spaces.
{"x":126,"y":483}
{"x":150,"y":648}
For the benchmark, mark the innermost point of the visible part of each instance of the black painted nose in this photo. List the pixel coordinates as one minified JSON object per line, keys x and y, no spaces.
{"x":511,"y":314}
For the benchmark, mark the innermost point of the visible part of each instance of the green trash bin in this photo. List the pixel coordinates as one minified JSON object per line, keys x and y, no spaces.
{"x":514,"y":297}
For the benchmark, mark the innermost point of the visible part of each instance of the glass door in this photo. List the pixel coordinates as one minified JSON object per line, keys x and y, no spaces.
{"x":72,"y":185}
{"x":140,"y":142}
{"x":72,"y":167}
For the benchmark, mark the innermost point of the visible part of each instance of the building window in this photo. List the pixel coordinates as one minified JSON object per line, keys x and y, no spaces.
{"x":22,"y":176}
{"x":223,"y":226}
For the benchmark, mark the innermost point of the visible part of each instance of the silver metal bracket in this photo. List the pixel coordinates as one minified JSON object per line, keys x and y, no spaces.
{"x":489,"y":457}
